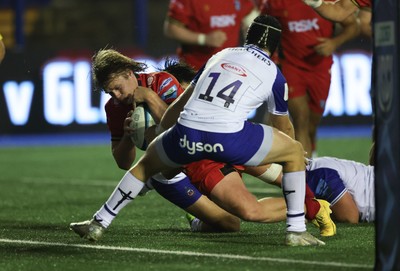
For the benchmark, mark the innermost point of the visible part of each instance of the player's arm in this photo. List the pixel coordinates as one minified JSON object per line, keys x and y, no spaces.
{"x":334,"y":11}
{"x":246,"y":22}
{"x":174,"y":29}
{"x":350,"y":29}
{"x":156,"y":105}
{"x":170,"y":116}
{"x":177,"y":31}
{"x":365,"y":22}
{"x":122,"y":147}
{"x":346,"y":210}
{"x":173,"y":111}
{"x":124,"y":152}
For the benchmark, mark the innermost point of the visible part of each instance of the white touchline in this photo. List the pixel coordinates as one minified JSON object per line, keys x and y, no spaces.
{"x":187,"y":253}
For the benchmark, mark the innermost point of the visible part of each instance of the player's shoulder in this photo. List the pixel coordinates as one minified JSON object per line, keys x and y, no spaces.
{"x":165,"y":85}
{"x":159,"y":75}
{"x":155,"y":79}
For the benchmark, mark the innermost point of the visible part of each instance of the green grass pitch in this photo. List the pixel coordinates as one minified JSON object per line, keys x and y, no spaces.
{"x":43,"y":189}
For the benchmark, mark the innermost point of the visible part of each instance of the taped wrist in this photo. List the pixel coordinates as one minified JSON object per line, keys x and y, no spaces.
{"x":271,"y":174}
{"x":201,"y":39}
{"x":313,"y":3}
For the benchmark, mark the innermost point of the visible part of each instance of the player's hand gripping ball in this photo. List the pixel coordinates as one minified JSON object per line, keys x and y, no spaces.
{"x":141,"y":120}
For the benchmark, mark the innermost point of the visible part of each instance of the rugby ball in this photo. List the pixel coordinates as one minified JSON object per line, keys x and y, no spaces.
{"x":141,"y":120}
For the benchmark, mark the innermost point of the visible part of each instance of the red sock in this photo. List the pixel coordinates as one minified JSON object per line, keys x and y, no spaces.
{"x":309,"y":192}
{"x":312,"y":205}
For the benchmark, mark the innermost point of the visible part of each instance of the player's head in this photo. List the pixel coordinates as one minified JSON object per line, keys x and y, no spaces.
{"x":264,"y":32}
{"x":108,"y":63}
{"x":183,"y":72}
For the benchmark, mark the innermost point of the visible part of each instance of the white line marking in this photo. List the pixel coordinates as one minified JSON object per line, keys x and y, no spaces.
{"x":188,"y":253}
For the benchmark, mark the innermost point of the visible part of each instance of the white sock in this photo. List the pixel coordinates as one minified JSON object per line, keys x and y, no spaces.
{"x":294,"y":190}
{"x":127,"y":189}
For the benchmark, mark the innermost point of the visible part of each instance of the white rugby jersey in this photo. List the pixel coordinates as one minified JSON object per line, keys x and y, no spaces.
{"x":359,"y":179}
{"x":234,"y":82}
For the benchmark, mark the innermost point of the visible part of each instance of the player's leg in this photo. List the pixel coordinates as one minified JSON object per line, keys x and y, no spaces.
{"x":318,"y":85}
{"x":208,"y":174}
{"x":209,"y":217}
{"x":290,"y":154}
{"x":127,"y":189}
{"x":315,"y":120}
{"x":130,"y":186}
{"x":133,"y":181}
{"x":232,"y":195}
{"x":153,"y":161}
{"x":317,"y":211}
{"x":300,"y":113}
{"x":298,"y":104}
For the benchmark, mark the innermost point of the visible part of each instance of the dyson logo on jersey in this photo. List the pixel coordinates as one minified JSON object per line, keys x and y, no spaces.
{"x":194,"y":147}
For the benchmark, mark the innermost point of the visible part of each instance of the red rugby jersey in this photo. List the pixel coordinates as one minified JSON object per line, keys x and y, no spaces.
{"x":301,"y":26}
{"x":204,"y":16}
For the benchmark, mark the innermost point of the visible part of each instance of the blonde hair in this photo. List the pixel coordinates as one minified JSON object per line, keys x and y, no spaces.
{"x":107,"y":63}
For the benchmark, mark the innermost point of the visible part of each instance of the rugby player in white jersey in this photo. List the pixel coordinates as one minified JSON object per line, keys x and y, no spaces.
{"x":107,"y":64}
{"x":347,"y":185}
{"x":213,"y":125}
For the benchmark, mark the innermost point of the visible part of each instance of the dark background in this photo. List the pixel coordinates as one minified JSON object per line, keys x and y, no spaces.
{"x":36,"y":32}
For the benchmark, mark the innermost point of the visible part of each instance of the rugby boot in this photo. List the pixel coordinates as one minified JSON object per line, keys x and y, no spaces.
{"x":90,"y":229}
{"x":323,"y":219}
{"x":302,"y":239}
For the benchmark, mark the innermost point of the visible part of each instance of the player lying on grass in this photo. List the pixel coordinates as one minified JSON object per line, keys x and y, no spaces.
{"x":347,"y":185}
{"x":178,"y":190}
{"x":213,"y":125}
